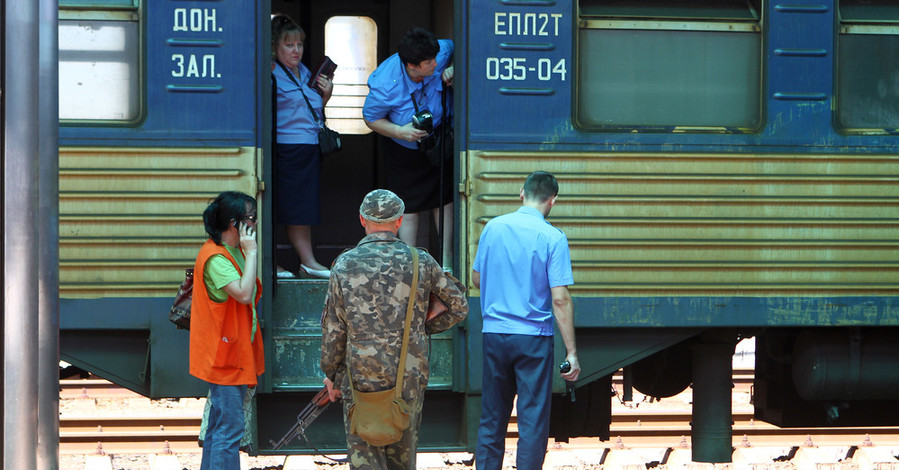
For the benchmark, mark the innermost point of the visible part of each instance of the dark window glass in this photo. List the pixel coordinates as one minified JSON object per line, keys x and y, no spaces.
{"x":867,"y":70}
{"x":694,"y":64}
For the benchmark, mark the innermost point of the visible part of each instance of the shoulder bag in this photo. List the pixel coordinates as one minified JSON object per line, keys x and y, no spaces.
{"x":380,"y":418}
{"x":180,"y":312}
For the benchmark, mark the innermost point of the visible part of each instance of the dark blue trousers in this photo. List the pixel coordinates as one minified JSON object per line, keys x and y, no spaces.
{"x":522,"y":365}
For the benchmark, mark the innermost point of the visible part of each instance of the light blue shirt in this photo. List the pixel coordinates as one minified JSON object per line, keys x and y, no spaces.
{"x":520,"y":258}
{"x":390,"y":91}
{"x":295,"y":123}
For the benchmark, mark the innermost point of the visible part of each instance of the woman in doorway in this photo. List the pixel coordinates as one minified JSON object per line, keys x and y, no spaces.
{"x":298,"y":159}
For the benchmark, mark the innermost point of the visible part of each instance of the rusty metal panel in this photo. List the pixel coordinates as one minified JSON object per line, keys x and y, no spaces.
{"x":654,"y":224}
{"x":131,"y":218}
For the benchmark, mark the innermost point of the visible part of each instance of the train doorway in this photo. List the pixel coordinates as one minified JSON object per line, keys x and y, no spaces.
{"x":358,"y":35}
{"x":345,"y":32}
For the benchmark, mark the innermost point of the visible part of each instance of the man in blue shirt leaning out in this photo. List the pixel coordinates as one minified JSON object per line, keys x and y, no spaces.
{"x":523,"y":269}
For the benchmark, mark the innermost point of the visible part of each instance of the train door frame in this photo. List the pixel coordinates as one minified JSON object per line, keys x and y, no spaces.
{"x":349,"y":174}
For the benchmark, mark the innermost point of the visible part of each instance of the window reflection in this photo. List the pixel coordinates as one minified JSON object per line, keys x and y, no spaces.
{"x":352,"y":43}
{"x":98,"y":70}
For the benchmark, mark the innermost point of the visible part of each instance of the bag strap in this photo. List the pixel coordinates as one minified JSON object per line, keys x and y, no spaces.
{"x":294,"y":80}
{"x":401,"y":369}
{"x":400,"y":372}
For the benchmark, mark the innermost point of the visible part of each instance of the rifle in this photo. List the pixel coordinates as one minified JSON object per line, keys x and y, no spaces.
{"x":318,"y":404}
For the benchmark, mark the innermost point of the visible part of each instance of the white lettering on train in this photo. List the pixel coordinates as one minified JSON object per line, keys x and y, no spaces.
{"x":526,"y":24}
{"x":196,"y":20}
{"x":205,"y":68}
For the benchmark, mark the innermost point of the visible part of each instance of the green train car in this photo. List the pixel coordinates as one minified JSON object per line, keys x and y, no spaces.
{"x":728,"y":170}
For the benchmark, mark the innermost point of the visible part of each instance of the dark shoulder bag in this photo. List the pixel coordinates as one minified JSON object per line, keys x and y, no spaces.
{"x":180,"y":312}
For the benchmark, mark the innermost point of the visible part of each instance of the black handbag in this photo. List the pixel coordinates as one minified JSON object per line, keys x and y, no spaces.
{"x":328,"y":139}
{"x":180,"y":312}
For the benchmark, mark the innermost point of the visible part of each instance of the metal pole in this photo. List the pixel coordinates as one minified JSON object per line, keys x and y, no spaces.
{"x":712,"y":425}
{"x":20,"y":233}
{"x":48,"y":201}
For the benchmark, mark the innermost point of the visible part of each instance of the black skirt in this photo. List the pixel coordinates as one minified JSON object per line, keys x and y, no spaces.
{"x":297,"y":182}
{"x":414,"y":179}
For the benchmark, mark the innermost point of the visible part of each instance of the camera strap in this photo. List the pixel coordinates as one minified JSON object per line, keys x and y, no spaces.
{"x":321,"y":123}
{"x":414,"y":103}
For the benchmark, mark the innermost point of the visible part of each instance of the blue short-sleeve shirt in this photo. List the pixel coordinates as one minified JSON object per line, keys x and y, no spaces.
{"x":390,"y":91}
{"x":520,"y":258}
{"x":296,"y":124}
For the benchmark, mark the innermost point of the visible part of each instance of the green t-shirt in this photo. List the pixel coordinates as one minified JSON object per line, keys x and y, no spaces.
{"x":219,"y":272}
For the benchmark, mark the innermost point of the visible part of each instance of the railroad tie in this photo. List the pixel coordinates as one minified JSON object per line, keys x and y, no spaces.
{"x":818,"y":458}
{"x":429,"y":461}
{"x":560,"y":460}
{"x":98,"y":462}
{"x":299,"y":462}
{"x":620,"y":458}
{"x":872,"y":457}
{"x":164,"y":462}
{"x":677,"y":457}
{"x":750,"y":457}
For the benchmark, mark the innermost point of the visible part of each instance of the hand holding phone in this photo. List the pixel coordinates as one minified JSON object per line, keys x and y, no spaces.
{"x":247,"y":237}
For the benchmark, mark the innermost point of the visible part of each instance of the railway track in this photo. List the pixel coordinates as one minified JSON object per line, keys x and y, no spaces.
{"x":137,"y":431}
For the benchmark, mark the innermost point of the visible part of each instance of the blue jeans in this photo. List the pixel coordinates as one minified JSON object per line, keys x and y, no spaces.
{"x":225,"y":428}
{"x":522,"y":365}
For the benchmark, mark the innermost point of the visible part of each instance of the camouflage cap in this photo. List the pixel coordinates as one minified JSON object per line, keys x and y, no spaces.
{"x":382,"y":206}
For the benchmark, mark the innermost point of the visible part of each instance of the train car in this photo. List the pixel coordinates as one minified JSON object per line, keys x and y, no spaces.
{"x":728,"y":169}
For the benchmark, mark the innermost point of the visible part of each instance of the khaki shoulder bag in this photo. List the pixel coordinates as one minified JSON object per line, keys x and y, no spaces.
{"x":380,"y":418}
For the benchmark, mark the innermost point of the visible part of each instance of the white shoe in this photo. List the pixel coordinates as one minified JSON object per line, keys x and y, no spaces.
{"x":285,"y":274}
{"x":321,"y":273}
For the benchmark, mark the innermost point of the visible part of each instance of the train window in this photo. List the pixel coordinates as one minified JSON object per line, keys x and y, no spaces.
{"x":663,"y":65}
{"x":867,"y":72}
{"x":99,"y":76}
{"x":352,"y":43}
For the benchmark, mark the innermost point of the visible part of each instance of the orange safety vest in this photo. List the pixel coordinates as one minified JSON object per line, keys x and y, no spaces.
{"x":220,"y":347}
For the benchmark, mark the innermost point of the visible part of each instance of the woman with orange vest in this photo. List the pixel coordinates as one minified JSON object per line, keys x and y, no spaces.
{"x":225,"y":341}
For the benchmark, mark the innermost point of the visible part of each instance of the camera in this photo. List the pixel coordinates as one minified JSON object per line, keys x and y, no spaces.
{"x":423,"y":121}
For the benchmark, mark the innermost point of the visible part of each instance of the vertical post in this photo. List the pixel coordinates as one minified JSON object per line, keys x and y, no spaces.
{"x":48,"y":251}
{"x":20,"y":233}
{"x":712,"y":425}
{"x":627,"y":385}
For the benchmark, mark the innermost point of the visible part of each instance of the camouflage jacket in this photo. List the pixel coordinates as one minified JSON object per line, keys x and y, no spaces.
{"x":365,"y":312}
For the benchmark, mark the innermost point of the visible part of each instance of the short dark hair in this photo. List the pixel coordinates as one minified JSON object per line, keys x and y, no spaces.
{"x":226,"y":207}
{"x":540,"y":186}
{"x":418,"y":44}
{"x":283,"y":26}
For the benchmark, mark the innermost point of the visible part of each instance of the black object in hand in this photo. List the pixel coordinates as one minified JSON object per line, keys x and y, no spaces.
{"x":565,"y":367}
{"x":325,"y":67}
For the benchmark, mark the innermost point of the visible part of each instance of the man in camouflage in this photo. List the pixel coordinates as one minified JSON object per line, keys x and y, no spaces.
{"x":364,"y":318}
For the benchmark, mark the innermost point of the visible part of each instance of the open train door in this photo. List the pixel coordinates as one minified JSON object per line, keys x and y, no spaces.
{"x":357,"y":35}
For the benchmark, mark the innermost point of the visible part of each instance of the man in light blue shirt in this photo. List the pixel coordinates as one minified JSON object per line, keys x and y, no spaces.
{"x":523,"y":268}
{"x":409,"y":82}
